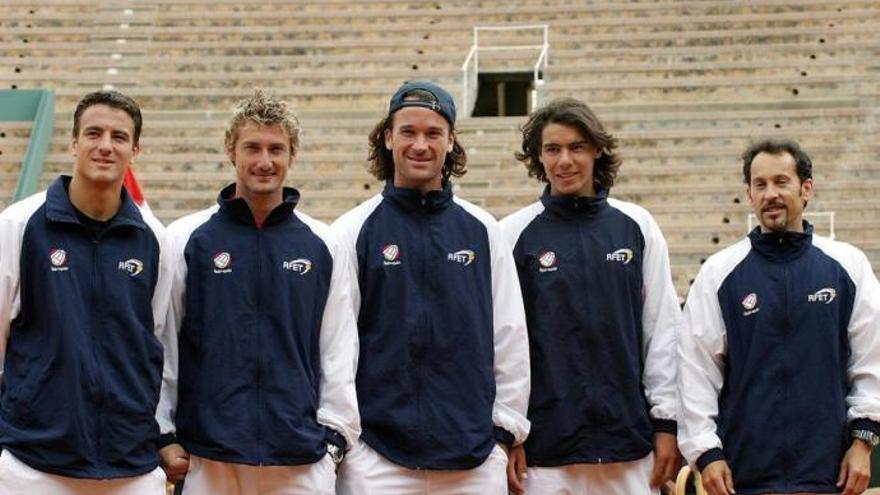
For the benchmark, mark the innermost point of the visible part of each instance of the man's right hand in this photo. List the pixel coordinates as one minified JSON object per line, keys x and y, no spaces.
{"x":718,"y":479}
{"x":516,"y":469}
{"x":175,"y":462}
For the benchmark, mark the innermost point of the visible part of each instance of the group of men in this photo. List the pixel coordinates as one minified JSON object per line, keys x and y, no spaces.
{"x":417,"y":345}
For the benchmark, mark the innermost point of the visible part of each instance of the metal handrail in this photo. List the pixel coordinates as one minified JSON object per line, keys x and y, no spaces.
{"x":473,"y":56}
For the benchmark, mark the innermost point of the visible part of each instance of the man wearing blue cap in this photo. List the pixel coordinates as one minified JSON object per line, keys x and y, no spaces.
{"x":443,"y":375}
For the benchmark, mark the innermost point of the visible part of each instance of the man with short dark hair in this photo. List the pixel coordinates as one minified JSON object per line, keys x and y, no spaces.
{"x":602,"y":317}
{"x":443,"y":375}
{"x":83,"y":296}
{"x":780,"y":348}
{"x":259,"y":392}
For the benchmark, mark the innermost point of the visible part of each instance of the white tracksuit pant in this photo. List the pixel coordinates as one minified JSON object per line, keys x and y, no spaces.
{"x":616,"y":478}
{"x":17,"y":478}
{"x":366,"y":472}
{"x":207,"y":477}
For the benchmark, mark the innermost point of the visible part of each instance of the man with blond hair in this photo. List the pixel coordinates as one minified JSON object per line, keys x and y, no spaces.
{"x":258,"y":396}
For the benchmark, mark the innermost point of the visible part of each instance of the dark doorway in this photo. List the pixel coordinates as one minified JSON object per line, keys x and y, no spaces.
{"x":503,"y":94}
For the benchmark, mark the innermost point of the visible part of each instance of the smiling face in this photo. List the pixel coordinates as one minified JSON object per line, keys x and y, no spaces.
{"x":261,"y":156}
{"x":419,"y":141}
{"x":568,"y":159}
{"x":104,"y":146}
{"x":776,"y":193}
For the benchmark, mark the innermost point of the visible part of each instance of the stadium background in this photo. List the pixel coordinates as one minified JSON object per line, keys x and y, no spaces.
{"x":684,"y":84}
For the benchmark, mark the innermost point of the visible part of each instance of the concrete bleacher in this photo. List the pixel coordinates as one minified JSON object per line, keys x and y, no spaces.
{"x":684,"y":85}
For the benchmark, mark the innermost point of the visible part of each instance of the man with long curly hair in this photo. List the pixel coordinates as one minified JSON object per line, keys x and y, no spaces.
{"x":602,"y":317}
{"x":443,"y":374}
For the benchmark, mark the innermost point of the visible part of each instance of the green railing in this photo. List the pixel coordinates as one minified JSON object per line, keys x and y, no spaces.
{"x":37,"y":106}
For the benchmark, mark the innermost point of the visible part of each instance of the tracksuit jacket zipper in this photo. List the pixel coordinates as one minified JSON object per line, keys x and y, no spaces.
{"x":258,"y":331}
{"x":422,"y":329}
{"x":95,"y":344}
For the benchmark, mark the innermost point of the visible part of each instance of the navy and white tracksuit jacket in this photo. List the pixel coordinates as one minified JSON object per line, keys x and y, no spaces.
{"x":780,"y":354}
{"x":79,"y":347}
{"x":603,"y":319}
{"x":262,"y":335}
{"x":443,"y":372}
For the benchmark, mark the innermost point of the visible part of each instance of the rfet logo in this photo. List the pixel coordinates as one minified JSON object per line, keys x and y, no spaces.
{"x":547,"y":261}
{"x":132,"y":266}
{"x":299,"y":265}
{"x":750,"y":304}
{"x":824,"y":296}
{"x":391,"y":254}
{"x":621,"y":255}
{"x":222,"y":262}
{"x":58,"y":260}
{"x":463,"y":256}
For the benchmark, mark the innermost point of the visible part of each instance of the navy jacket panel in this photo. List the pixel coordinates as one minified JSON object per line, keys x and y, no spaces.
{"x":249,"y":363}
{"x":786,"y":304}
{"x":580,"y":265}
{"x":83,"y":366}
{"x":425,"y":326}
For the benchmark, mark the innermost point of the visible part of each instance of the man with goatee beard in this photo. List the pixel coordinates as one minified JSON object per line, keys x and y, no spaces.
{"x":780,"y":350}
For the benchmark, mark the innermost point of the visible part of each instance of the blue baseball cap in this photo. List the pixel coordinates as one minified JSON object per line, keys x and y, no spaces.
{"x":443,"y":104}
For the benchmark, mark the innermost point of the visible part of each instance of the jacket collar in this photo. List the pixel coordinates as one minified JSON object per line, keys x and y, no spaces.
{"x":575,"y":206}
{"x":414,"y":200}
{"x":783,"y":246}
{"x":238,"y":209}
{"x":60,"y":209}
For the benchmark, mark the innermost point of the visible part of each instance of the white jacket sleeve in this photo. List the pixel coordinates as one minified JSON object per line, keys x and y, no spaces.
{"x":512,"y":372}
{"x":173,"y":318}
{"x":864,"y":339}
{"x":702,"y":349}
{"x":338,"y":407}
{"x":10,"y":296}
{"x":13,"y":221}
{"x":661,"y":320}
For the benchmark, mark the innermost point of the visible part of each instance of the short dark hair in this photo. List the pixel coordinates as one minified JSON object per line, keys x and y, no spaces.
{"x":574,"y":113}
{"x":382,"y":160}
{"x":113,"y":99}
{"x":776,"y":146}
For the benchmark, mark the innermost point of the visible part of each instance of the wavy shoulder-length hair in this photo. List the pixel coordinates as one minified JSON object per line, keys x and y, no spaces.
{"x":574,"y":113}
{"x":382,"y":160}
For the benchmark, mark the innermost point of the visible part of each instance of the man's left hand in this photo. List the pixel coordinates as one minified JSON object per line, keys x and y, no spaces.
{"x":666,"y":458}
{"x":855,"y":469}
